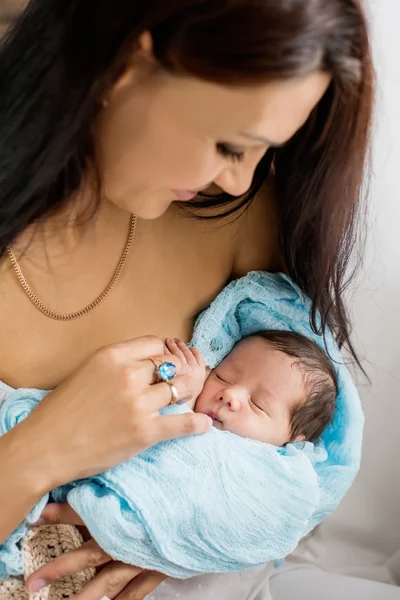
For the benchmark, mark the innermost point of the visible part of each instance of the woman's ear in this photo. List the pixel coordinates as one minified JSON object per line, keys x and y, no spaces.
{"x":145,"y":44}
{"x":140,"y":63}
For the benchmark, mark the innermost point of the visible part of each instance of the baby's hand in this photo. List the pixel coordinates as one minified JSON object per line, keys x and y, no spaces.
{"x":192,"y":361}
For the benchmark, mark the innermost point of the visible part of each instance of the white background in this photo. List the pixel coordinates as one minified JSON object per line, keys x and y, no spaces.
{"x":370,"y":514}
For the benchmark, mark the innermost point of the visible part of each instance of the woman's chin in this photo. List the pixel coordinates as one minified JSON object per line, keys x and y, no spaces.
{"x":150,"y":211}
{"x":151,"y":215}
{"x":148,"y":206}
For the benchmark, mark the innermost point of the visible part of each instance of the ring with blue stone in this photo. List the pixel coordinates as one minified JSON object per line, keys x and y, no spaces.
{"x":164,"y":371}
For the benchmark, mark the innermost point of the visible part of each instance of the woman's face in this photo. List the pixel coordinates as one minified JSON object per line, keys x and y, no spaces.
{"x":162,"y":138}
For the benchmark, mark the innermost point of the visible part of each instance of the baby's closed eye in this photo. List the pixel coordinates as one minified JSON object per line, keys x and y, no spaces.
{"x":259,"y":406}
{"x":219,"y":376}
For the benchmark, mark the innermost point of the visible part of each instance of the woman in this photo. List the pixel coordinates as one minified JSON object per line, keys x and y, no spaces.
{"x":121,"y":124}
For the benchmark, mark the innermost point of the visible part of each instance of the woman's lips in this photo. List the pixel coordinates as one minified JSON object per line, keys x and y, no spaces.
{"x":185,"y":195}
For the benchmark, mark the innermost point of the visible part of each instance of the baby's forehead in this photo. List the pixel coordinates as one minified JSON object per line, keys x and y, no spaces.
{"x":256,"y":355}
{"x":255,"y":343}
{"x":244,"y":353}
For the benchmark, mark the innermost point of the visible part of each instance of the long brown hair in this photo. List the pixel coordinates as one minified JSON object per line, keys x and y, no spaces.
{"x":59,"y":58}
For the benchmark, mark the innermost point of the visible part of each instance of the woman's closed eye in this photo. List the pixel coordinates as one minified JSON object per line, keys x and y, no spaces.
{"x":229,"y":152}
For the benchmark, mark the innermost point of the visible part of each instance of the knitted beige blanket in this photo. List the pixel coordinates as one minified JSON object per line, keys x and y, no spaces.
{"x":40,"y":546}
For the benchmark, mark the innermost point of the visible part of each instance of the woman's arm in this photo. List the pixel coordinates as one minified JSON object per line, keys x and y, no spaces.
{"x":24,"y":476}
{"x":107,"y":412}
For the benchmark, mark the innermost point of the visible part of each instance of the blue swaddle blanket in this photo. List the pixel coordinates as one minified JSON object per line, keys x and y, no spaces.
{"x":215,"y":502}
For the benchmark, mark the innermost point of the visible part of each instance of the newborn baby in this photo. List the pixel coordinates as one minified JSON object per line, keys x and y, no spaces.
{"x":274,"y":386}
{"x":184,"y":507}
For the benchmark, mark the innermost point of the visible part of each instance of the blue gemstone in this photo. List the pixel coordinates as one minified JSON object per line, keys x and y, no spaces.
{"x":167,"y":371}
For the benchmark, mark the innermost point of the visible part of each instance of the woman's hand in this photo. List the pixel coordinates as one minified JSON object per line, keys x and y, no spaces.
{"x":115,"y":580}
{"x":107,"y":412}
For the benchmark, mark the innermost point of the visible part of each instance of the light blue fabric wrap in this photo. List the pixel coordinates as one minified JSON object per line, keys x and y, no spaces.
{"x":215,"y":502}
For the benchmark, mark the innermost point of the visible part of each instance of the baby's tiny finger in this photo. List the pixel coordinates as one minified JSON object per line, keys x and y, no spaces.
{"x":185,"y":351}
{"x":169,"y":342}
{"x":176,"y":350}
{"x":198,"y":356}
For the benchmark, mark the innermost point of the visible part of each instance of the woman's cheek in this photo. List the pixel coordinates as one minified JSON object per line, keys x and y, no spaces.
{"x":194,"y":170}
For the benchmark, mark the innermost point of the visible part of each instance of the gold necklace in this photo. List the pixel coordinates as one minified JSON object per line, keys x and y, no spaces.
{"x":80,"y":313}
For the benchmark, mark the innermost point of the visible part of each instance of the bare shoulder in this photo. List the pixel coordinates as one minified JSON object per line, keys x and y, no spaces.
{"x":246,"y":241}
{"x":258,"y":235}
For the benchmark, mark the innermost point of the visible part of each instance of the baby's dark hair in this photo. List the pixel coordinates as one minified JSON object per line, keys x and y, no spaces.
{"x":310,"y":418}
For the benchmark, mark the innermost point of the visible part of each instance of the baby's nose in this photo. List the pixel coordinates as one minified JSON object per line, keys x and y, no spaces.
{"x":233,"y":397}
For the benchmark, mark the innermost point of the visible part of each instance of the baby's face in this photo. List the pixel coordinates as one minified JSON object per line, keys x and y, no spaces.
{"x":253,"y":391}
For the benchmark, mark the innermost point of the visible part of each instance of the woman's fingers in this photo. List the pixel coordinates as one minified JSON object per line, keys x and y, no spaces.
{"x":140,"y":587}
{"x":149,"y":368}
{"x":173,"y":426}
{"x":61,"y":514}
{"x":88,"y":555}
{"x":159,"y":395}
{"x":111,"y":580}
{"x":114,"y":390}
{"x":140,"y":348}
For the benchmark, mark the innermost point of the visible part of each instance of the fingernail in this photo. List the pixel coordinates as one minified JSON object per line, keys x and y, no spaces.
{"x":37,"y":585}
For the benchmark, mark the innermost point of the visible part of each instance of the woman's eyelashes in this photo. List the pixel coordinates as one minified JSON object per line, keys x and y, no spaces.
{"x":228,"y":152}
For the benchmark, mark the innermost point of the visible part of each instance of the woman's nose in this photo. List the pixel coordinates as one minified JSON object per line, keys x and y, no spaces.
{"x":237,"y":179}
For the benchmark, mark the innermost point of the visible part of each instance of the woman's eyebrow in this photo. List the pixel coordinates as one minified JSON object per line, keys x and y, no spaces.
{"x":258,"y":138}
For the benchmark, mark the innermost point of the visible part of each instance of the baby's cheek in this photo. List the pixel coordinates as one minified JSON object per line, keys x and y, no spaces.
{"x":269,"y":431}
{"x":200,"y":403}
{"x":282,"y":434}
{"x":205,"y":398}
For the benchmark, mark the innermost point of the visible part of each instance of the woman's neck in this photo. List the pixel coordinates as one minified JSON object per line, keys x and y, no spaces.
{"x":78,"y":226}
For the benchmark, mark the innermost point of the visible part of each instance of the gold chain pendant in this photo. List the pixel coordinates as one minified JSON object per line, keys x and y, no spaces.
{"x":84,"y":311}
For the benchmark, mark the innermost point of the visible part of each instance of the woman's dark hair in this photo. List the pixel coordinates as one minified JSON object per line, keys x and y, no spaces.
{"x":61,"y":56}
